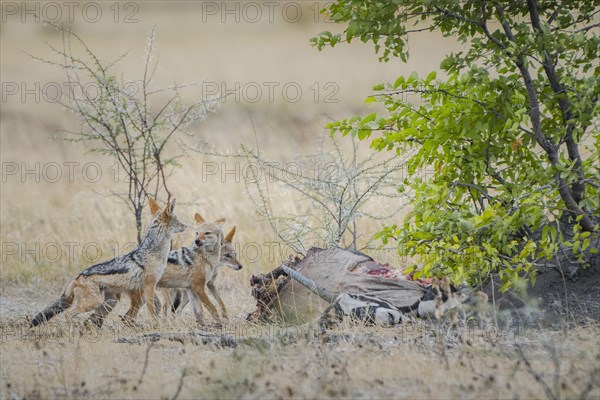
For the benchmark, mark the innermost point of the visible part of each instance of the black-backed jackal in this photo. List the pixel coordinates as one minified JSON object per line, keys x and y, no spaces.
{"x":193,"y":268}
{"x":199,"y":271}
{"x":135,"y":273}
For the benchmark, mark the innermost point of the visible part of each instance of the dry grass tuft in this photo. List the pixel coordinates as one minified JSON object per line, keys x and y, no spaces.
{"x":274,"y":362}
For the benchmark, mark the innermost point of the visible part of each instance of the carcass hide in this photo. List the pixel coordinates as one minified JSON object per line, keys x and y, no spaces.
{"x":342,"y":271}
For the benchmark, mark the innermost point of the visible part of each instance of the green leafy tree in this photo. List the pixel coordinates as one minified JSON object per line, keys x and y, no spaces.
{"x":511,"y":133}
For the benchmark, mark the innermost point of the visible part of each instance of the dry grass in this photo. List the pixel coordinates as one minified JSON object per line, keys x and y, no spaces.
{"x":284,"y":363}
{"x":40,"y":217}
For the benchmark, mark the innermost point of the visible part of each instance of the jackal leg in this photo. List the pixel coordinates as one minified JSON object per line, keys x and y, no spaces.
{"x":87,"y":296}
{"x":196,"y":306}
{"x":180,"y":301}
{"x":198,"y":287}
{"x":137,"y":300}
{"x":167,"y":300}
{"x":110,"y":301}
{"x":213,"y":290}
{"x":149,"y":287}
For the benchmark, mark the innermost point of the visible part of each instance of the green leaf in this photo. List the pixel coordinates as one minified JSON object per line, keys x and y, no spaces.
{"x":399,"y":81}
{"x":413,"y":77}
{"x":585,"y":244}
{"x":368,"y":118}
{"x":431,"y":76}
{"x":363,"y":134}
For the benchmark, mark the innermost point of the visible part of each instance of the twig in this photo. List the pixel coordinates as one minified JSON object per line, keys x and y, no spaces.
{"x":535,"y":375}
{"x":183,"y":372}
{"x":145,"y":362}
{"x":183,"y":337}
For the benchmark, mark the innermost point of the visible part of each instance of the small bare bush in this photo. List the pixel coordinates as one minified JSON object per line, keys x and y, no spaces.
{"x":133,"y":122}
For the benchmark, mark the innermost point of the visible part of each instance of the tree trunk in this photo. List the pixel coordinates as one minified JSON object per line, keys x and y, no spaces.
{"x":566,"y":193}
{"x":138,"y":221}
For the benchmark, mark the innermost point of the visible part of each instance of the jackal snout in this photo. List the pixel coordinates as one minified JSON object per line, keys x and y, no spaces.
{"x":230,"y":260}
{"x":236,"y":267}
{"x":205,"y":238}
{"x":176,"y":226}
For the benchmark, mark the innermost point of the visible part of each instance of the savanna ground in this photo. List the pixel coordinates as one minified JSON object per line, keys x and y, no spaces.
{"x":53,"y":228}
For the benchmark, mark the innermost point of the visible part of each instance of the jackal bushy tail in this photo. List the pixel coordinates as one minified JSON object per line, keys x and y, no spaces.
{"x":56,"y":307}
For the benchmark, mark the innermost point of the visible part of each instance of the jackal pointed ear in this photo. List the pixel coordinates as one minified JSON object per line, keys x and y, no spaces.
{"x":171,"y":205}
{"x":154,"y":207}
{"x":229,"y":237}
{"x":220,"y":221}
{"x":199,"y":218}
